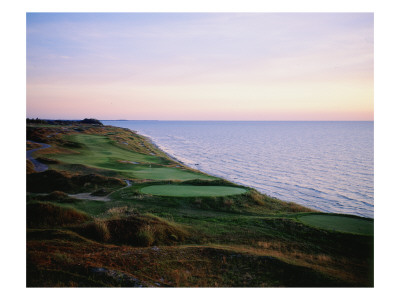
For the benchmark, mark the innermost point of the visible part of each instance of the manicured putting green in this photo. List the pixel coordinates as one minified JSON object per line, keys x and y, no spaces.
{"x":340,"y":223}
{"x":191,"y":190}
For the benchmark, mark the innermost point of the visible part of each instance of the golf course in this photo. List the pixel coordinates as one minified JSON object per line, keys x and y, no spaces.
{"x":191,"y":190}
{"x":340,"y":223}
{"x":101,"y":152}
{"x":162,"y":224}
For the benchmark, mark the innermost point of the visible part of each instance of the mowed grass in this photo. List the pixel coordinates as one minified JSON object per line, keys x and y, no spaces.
{"x":100,"y":152}
{"x":160,"y":173}
{"x":97,"y":150}
{"x":348,"y":224}
{"x":192,"y":190}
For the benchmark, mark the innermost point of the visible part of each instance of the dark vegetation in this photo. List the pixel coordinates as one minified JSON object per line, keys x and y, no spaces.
{"x":54,"y":197}
{"x":63,"y":122}
{"x":29,"y":167}
{"x":51,"y":180}
{"x":91,"y":121}
{"x":44,"y":214}
{"x":135,"y":230}
{"x":136,"y":239}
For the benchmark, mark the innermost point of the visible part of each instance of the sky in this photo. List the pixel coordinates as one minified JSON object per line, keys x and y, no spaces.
{"x":200,"y":66}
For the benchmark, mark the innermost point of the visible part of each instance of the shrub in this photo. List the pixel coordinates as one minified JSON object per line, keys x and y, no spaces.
{"x":257,"y":198}
{"x":47,"y":161}
{"x":91,"y":121}
{"x":96,"y":230}
{"x":145,"y":236}
{"x":228,"y":203}
{"x":122,"y":211}
{"x":51,"y":180}
{"x":135,"y":230}
{"x":42,"y":214}
{"x":56,"y":196}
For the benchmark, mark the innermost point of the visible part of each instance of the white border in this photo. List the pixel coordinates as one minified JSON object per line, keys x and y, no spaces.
{"x":387,"y":147}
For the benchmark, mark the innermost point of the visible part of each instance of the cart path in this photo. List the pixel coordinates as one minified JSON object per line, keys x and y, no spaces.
{"x":88,"y":196}
{"x":38,"y":166}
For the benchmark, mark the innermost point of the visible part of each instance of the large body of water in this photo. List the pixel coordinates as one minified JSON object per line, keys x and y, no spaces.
{"x":328,"y":166}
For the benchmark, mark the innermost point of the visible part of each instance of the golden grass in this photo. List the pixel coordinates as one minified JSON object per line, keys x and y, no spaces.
{"x":30,"y":145}
{"x":44,"y":214}
{"x":30,"y":168}
{"x":293,"y":207}
{"x":258,"y":198}
{"x":342,"y":268}
{"x":55,"y":150}
{"x":186,"y":265}
{"x":121,"y":211}
{"x":126,"y":226}
{"x":96,"y":230}
{"x":322,"y":262}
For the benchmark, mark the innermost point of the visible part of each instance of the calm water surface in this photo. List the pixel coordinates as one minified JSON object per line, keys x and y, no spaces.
{"x":328,"y":166}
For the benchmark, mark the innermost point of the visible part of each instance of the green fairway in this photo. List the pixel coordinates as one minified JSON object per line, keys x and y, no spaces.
{"x":101,"y":152}
{"x":340,"y":223}
{"x":192,"y":190}
{"x":161,"y":173}
{"x":98,"y":150}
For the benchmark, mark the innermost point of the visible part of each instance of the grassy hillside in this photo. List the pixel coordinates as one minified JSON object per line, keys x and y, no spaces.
{"x":99,"y":151}
{"x":171,"y":225}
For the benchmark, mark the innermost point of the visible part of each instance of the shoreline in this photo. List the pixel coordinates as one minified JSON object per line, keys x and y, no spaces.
{"x":160,"y":148}
{"x":152,"y":142}
{"x":150,"y":139}
{"x":207,"y":172}
{"x":170,"y":156}
{"x":191,"y":166}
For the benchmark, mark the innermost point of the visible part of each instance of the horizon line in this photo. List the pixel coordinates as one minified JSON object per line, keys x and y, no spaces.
{"x":172,"y":120}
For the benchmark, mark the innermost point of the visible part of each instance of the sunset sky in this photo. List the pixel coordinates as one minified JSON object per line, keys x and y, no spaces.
{"x":192,"y":66}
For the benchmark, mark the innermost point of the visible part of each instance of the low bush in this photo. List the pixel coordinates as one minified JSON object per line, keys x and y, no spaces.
{"x":257,"y":198}
{"x":51,"y":180}
{"x":56,"y":196}
{"x":47,"y":161}
{"x":43,"y":214}
{"x":96,"y":230}
{"x":135,"y":230}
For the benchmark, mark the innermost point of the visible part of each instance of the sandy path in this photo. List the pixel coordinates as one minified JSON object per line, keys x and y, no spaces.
{"x":87,"y":196}
{"x":38,"y":166}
